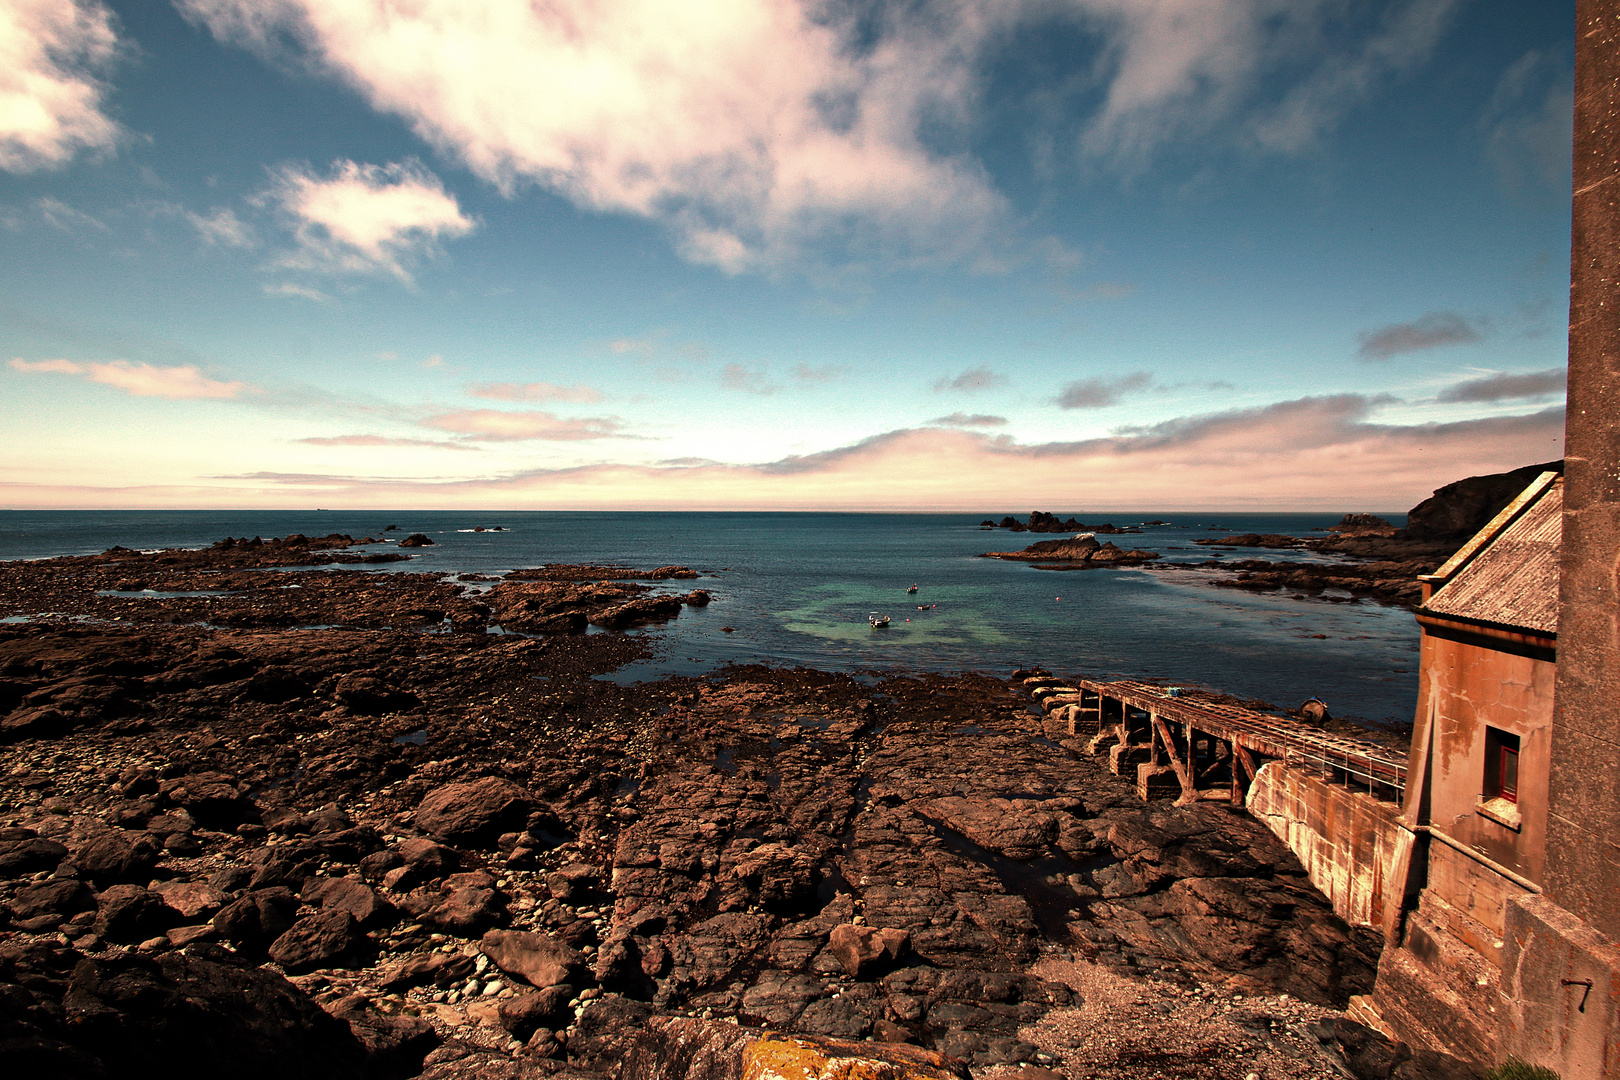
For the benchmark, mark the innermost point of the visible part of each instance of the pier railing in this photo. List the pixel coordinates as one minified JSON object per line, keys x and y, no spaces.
{"x":1178,"y":726}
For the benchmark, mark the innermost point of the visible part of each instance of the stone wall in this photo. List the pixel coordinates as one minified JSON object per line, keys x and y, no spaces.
{"x":1351,"y":844}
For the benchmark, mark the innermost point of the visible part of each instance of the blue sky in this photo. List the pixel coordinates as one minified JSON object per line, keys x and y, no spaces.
{"x":1094,"y":254}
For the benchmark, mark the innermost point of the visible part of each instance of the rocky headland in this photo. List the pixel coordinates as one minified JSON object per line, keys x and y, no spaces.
{"x":1371,"y":557}
{"x":326,"y":823}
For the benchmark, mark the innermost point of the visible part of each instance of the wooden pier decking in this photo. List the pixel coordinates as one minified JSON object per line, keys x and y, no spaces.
{"x":1196,"y":746}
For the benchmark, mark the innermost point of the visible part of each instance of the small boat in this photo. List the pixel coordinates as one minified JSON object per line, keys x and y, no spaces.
{"x":877,"y":620}
{"x":912,"y":589}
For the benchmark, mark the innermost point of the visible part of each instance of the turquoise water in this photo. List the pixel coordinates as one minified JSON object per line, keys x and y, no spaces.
{"x":796,"y":590}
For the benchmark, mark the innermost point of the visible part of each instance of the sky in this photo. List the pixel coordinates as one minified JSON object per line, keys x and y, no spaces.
{"x":978,"y":255}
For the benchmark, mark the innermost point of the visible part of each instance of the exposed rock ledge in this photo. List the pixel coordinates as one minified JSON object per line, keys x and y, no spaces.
{"x":1083,"y":550}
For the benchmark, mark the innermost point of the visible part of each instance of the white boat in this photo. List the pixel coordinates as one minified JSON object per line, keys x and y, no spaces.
{"x":877,"y":620}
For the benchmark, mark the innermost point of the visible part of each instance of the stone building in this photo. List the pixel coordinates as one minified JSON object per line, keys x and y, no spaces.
{"x":1556,"y":1001}
{"x":1477,"y":777}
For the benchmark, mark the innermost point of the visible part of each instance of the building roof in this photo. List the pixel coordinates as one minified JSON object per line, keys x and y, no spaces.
{"x":1507,"y":575}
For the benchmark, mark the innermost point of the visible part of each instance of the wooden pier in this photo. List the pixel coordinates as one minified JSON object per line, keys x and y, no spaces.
{"x":1195,"y":746}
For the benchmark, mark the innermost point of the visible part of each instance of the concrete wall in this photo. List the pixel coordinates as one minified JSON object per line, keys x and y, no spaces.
{"x":1351,"y":844}
{"x":1584,"y":862}
{"x":1470,"y":684}
{"x":1558,"y":942}
{"x":1552,"y":1016}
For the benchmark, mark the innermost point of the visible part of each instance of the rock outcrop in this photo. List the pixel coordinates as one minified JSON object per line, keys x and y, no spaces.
{"x":1081,"y":549}
{"x":370,"y":851}
{"x":1042,"y":522}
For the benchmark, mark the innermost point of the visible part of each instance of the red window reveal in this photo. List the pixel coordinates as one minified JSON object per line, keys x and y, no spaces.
{"x":1501,"y":765}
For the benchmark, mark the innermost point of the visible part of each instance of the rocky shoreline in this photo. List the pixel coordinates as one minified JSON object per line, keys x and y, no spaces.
{"x":1368,"y":557}
{"x":325,"y":822}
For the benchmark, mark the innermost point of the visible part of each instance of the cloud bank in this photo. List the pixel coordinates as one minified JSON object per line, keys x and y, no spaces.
{"x":765,"y":133}
{"x":1508,"y":387}
{"x":968,"y":420}
{"x":535,"y":391}
{"x":750,"y":131}
{"x":1326,"y":454}
{"x":380,"y":440}
{"x":495,"y":425}
{"x":140,"y":379}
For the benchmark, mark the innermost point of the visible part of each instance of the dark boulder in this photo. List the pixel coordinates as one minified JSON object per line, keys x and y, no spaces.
{"x":370,"y":696}
{"x":112,"y":857}
{"x":213,"y":797}
{"x":330,"y":938}
{"x":45,"y":904}
{"x":635,"y":612}
{"x":533,"y":1009}
{"x":27,"y":855}
{"x":186,"y":1015}
{"x":350,"y":895}
{"x":474,"y":813}
{"x":276,"y":684}
{"x":464,"y":904}
{"x":395,"y":1045}
{"x":440,"y":969}
{"x":131,"y":913}
{"x":416,"y":540}
{"x":257,"y":919}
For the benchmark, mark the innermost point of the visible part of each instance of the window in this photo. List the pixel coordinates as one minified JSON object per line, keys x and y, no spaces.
{"x":1501,"y":765}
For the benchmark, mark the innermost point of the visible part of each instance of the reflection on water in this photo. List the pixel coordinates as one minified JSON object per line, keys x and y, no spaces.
{"x":837,"y":612}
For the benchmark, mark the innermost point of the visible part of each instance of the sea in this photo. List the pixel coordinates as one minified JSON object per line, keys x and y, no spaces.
{"x":796,"y":589}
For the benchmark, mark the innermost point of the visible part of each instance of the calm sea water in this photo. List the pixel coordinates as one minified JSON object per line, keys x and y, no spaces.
{"x":797,"y":589}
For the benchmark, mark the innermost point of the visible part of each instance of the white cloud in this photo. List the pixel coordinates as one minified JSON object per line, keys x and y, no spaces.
{"x":52,"y":53}
{"x":495,"y":425}
{"x":222,"y":227}
{"x":1178,"y":71}
{"x":292,"y":289}
{"x":748,"y":380}
{"x":371,"y":441}
{"x":365,"y":219}
{"x":59,"y":215}
{"x":766,"y":134}
{"x":751,"y":128}
{"x":535,"y":391}
{"x":1347,"y":77}
{"x":55,"y":367}
{"x":140,"y":379}
{"x":1528,"y":125}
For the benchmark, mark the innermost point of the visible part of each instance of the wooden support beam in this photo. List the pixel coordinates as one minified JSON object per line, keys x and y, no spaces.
{"x":1242,"y":765}
{"x":1189,"y":788}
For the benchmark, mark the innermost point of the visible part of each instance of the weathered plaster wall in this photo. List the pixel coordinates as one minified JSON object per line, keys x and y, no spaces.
{"x":1469,"y":684}
{"x":1351,"y":844}
{"x":1477,"y":896}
